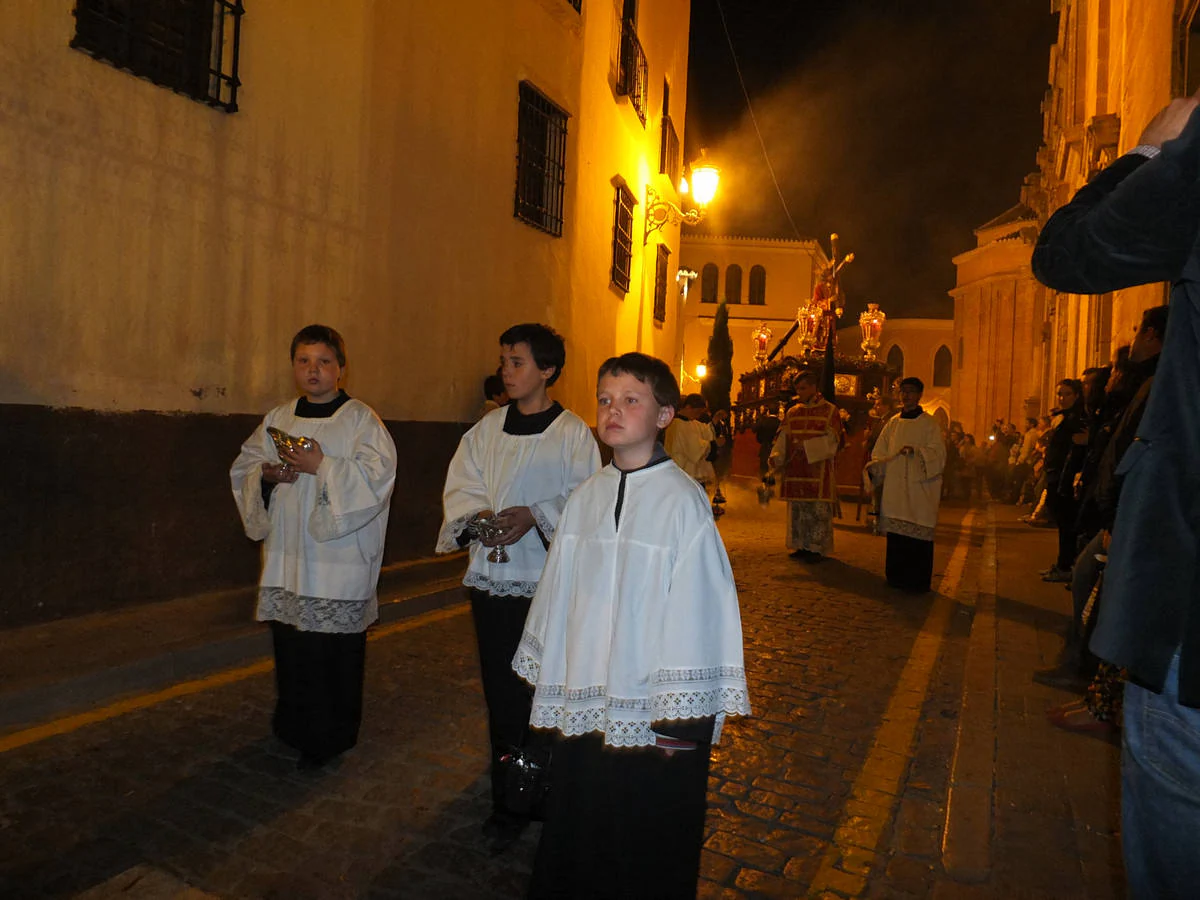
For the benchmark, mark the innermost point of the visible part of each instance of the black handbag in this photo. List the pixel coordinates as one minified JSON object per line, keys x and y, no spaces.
{"x":526,"y":778}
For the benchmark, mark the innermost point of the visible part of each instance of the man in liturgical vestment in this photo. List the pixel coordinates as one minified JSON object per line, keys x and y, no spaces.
{"x":910,"y":456}
{"x":808,"y":438}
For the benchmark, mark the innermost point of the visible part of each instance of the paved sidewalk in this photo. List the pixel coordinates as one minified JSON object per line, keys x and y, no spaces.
{"x":1038,"y":815}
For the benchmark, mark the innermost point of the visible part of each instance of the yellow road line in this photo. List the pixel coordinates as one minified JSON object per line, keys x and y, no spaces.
{"x":143,"y":701}
{"x":873,"y":798}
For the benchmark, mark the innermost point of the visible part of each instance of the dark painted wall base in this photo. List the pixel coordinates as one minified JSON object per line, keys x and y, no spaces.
{"x":103,"y":510}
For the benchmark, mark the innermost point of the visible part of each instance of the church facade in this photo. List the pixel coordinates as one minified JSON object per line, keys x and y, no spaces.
{"x":1114,"y":65}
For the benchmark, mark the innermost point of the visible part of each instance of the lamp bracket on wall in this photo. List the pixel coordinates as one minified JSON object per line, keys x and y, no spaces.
{"x":660,"y":211}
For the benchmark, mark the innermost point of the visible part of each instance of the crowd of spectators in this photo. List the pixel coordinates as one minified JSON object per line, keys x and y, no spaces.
{"x":1064,"y":468}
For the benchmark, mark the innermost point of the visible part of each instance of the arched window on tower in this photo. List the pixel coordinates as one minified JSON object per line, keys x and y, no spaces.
{"x":758,"y":286}
{"x":708,"y":283}
{"x":733,"y":284}
{"x":943,"y":364}
{"x":895,"y":359}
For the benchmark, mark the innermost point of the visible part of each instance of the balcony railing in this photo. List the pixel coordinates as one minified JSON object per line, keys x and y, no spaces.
{"x":633,"y":73}
{"x":668,"y":158}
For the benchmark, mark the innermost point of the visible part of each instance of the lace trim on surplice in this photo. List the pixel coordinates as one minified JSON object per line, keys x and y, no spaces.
{"x":448,"y":537}
{"x":543,"y":524}
{"x":908,"y":529}
{"x":276,"y":604}
{"x":500,"y":588}
{"x":527,"y":663}
{"x":626,"y":721}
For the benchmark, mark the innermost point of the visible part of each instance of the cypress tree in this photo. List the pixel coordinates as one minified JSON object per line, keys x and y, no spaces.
{"x":719,"y":381}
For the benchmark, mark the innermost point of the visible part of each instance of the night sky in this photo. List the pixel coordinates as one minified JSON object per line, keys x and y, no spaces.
{"x":902,"y":126}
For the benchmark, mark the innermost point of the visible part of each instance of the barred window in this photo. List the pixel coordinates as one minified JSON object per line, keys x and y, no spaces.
{"x":668,"y":155}
{"x":633,"y":73}
{"x":190,"y":46}
{"x":660,"y":284}
{"x":708,"y":283}
{"x":733,"y":284}
{"x":622,"y":243}
{"x":758,"y":286}
{"x":541,"y":161}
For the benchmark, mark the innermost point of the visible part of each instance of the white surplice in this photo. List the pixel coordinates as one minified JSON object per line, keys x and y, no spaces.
{"x":323,"y":534}
{"x":635,"y":621}
{"x":493,"y":470}
{"x":912,"y":485}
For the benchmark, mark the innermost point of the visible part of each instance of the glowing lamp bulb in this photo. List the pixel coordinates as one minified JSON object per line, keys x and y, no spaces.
{"x":705,"y":178}
{"x":683,"y":186}
{"x":701,"y":370}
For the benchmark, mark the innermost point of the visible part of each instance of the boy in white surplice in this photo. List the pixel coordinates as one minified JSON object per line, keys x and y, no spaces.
{"x":322,"y":515}
{"x":515,"y":469}
{"x":634,"y":647}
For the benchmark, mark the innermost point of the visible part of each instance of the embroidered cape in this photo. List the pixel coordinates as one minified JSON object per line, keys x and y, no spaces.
{"x":805,"y":428}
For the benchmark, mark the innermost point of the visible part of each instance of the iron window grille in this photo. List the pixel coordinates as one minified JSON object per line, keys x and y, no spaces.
{"x":541,"y":161}
{"x":190,"y":46}
{"x":622,"y":247}
{"x":660,"y":284}
{"x":668,"y":157}
{"x":633,"y":73}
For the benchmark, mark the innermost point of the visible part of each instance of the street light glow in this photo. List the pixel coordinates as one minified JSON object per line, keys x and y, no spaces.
{"x":705,"y":178}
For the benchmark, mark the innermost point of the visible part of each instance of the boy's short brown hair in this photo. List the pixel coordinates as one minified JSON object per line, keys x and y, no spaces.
{"x":320,"y":334}
{"x":648,"y":370}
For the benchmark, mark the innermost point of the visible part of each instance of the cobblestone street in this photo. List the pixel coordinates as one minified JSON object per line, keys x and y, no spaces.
{"x":839,"y":785}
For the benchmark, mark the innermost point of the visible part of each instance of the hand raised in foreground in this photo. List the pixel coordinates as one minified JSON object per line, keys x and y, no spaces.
{"x":1170,"y":121}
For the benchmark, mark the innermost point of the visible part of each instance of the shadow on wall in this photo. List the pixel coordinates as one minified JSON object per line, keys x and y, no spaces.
{"x":105,"y":510}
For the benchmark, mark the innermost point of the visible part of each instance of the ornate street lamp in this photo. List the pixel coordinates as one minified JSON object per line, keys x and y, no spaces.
{"x":871,"y":323}
{"x":659,"y":211}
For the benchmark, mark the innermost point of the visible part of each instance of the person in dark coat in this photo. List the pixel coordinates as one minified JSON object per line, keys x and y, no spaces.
{"x":1138,"y":222}
{"x":1064,"y":456}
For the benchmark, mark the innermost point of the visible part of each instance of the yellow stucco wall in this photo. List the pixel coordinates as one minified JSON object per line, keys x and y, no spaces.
{"x":157,"y":254}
